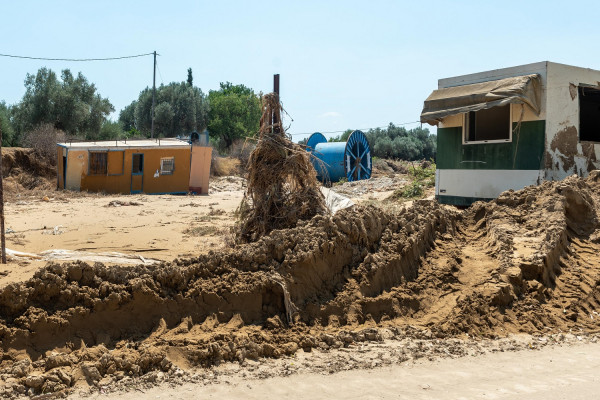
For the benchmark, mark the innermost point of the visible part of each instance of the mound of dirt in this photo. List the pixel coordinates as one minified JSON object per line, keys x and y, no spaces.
{"x":25,"y":169}
{"x":527,"y":262}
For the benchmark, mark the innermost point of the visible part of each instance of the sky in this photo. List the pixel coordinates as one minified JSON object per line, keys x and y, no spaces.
{"x":343,"y":64}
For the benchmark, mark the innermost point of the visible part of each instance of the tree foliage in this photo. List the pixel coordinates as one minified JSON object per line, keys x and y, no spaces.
{"x":5,"y":125}
{"x":70,"y":104}
{"x":190,"y":78}
{"x":235,"y":112}
{"x":179,"y":109}
{"x":398,"y":142}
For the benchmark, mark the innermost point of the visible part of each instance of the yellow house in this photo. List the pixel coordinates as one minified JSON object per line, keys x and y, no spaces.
{"x":152,"y":166}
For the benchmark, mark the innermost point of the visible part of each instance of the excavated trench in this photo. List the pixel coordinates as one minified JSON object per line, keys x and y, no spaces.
{"x":527,"y":262}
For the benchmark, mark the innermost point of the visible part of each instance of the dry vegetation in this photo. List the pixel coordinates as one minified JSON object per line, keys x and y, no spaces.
{"x":282,"y":183}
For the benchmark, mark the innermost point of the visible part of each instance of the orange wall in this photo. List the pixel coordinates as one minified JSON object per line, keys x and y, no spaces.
{"x":117,"y":182}
{"x":200,"y":169}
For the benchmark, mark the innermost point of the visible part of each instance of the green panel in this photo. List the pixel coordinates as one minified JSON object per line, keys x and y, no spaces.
{"x":449,"y":148}
{"x":526,"y":151}
{"x":458,"y":200}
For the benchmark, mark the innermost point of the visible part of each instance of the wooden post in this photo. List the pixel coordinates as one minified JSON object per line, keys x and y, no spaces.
{"x":2,"y":233}
{"x":275,"y":120}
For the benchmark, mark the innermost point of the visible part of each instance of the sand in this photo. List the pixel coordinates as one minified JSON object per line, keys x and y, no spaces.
{"x":566,"y":372}
{"x":425,"y":281}
{"x":154,"y":227}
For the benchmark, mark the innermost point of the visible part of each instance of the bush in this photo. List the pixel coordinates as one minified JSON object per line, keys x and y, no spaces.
{"x":224,"y":166}
{"x":43,"y":139}
{"x":414,"y":189}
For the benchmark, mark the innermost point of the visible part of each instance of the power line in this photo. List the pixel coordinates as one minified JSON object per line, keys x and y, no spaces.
{"x":76,"y":59}
{"x":361,"y":129}
{"x":159,"y":74}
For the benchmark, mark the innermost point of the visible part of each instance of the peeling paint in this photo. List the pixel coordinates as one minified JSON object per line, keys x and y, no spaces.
{"x":564,"y":147}
{"x":589,"y":152}
{"x":572,"y":91}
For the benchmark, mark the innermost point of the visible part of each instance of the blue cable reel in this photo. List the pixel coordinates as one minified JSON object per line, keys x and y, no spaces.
{"x":336,"y":160}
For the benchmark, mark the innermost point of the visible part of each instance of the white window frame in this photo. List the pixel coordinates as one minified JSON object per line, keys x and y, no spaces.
{"x":510,"y":130}
{"x":163,"y":171}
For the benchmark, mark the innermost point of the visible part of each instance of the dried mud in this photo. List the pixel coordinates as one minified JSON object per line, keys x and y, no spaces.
{"x":528,"y":262}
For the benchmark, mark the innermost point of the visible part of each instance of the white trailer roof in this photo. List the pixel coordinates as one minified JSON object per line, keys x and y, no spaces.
{"x":121,"y":144}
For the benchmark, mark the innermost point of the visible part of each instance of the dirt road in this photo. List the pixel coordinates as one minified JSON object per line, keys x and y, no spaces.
{"x":154,"y":227}
{"x":568,"y":372}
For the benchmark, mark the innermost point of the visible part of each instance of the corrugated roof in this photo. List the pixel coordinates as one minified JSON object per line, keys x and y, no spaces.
{"x":113,"y":144}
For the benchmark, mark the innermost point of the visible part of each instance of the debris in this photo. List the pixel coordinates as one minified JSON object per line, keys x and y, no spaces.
{"x":335,"y":202}
{"x":119,"y":203}
{"x":55,"y":231}
{"x":282,"y":183}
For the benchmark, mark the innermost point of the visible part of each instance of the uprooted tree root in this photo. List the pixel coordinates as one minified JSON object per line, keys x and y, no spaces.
{"x":527,"y":262}
{"x":282,"y":183}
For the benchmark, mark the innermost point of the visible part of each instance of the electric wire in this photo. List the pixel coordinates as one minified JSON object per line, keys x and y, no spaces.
{"x":159,"y":74}
{"x":361,"y":129}
{"x":76,"y":59}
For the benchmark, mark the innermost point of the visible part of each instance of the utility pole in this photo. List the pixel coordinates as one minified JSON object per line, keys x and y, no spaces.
{"x":276,"y":90}
{"x":2,"y":238}
{"x":153,"y":96}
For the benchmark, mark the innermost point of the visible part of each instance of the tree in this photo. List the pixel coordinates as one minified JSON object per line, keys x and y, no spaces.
{"x":70,"y":104}
{"x":235,"y":112}
{"x":190,"y":79}
{"x":397,"y":142}
{"x":5,"y":125}
{"x":180,"y":108}
{"x":111,"y":130}
{"x":343,"y":137}
{"x":127,"y":117}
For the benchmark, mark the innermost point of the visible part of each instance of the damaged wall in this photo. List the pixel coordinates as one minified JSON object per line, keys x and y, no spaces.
{"x":467,"y":172}
{"x":565,"y":154}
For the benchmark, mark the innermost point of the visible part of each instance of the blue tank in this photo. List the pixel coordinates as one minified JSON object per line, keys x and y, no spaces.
{"x":336,"y":160}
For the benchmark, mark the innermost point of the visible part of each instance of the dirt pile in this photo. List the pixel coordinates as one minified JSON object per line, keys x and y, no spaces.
{"x":24,"y":168}
{"x":527,"y":262}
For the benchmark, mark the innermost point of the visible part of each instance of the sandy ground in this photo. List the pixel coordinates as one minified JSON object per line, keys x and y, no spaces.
{"x":347,"y":306}
{"x":154,"y":227}
{"x":566,"y":372}
{"x":148,"y":227}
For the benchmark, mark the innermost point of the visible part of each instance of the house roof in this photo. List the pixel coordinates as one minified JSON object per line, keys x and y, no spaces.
{"x":124,"y":144}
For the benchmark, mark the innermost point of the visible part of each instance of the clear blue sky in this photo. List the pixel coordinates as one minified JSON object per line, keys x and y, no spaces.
{"x":343,"y":64}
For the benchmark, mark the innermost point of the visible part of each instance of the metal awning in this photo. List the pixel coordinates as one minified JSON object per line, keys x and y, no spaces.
{"x":444,"y":102}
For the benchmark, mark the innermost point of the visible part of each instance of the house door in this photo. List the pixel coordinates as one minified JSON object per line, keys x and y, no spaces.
{"x":64,"y":172}
{"x":137,"y":173}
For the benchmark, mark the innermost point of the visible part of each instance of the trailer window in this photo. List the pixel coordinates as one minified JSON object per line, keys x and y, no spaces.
{"x":167,"y":165}
{"x":489,"y":125}
{"x":589,"y":114}
{"x":98,"y":162}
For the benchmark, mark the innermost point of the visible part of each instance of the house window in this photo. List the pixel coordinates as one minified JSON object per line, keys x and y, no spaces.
{"x":98,"y":162}
{"x":589,"y":114}
{"x":167,"y":165}
{"x":490,"y":125}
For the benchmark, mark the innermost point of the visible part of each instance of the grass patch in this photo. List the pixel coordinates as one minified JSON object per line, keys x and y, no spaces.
{"x":423,"y":177}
